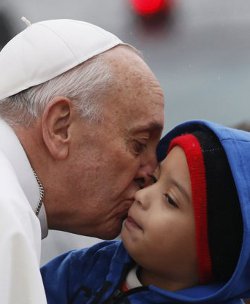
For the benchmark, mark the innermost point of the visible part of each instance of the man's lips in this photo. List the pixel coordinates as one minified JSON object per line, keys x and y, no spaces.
{"x":131,"y":223}
{"x":126,"y":205}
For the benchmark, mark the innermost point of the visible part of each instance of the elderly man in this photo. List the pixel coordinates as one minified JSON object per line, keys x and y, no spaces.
{"x":81,"y":117}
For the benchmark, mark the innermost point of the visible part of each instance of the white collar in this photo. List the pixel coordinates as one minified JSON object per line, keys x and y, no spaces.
{"x":14,"y":152}
{"x":132,"y":280}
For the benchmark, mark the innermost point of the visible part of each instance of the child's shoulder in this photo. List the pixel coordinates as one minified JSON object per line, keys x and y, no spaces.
{"x":104,"y":253}
{"x":99,"y":250}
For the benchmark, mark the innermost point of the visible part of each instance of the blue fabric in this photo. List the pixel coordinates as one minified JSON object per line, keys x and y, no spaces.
{"x":93,"y":275}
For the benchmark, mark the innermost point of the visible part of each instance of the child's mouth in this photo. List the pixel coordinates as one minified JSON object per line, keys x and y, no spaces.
{"x":131,"y":223}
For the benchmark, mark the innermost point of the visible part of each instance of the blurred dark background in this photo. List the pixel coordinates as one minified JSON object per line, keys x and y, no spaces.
{"x":198,"y":49}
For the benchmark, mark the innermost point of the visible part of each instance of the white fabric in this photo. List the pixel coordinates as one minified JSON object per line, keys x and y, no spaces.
{"x":12,"y":148}
{"x":132,"y":280}
{"x":46,"y":49}
{"x":20,"y":230}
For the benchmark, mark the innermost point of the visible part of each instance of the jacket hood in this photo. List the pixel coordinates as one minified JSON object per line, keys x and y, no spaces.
{"x":236,"y":144}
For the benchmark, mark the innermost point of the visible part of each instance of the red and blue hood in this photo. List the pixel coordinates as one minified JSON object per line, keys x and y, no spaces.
{"x":236,"y":144}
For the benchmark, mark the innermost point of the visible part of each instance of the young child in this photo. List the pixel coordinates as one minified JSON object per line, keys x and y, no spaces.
{"x":187,"y":236}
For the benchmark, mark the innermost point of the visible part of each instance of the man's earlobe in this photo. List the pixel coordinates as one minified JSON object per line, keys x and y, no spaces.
{"x":56,"y":121}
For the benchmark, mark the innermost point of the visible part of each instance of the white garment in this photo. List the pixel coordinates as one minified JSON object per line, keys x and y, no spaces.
{"x":20,"y":228}
{"x":132,"y":280}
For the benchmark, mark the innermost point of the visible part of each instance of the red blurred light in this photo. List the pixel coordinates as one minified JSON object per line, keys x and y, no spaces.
{"x":148,"y":7}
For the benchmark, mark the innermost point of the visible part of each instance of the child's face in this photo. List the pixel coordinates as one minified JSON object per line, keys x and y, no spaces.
{"x":159,"y":232}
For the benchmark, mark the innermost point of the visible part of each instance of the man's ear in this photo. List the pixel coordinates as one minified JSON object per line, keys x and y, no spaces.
{"x":56,"y":121}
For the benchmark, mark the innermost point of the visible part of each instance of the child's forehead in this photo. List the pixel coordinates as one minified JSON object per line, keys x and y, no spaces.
{"x":161,"y":165}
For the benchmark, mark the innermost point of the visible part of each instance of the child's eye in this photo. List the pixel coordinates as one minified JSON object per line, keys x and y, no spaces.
{"x":170,"y":200}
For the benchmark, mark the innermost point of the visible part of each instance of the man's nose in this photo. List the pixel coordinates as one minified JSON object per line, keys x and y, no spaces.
{"x":144,"y":175}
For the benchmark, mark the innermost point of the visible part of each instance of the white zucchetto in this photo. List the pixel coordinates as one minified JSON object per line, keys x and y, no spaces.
{"x":47,"y":49}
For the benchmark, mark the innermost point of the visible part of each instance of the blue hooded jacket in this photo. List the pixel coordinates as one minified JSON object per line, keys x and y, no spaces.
{"x":94,"y":275}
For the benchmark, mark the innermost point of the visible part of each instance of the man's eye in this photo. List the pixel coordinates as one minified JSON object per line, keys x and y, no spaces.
{"x":170,"y":200}
{"x":153,"y":179}
{"x":139,"y":147}
{"x":150,"y":181}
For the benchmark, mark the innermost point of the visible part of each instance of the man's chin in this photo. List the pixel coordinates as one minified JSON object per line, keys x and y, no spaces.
{"x":111,"y":234}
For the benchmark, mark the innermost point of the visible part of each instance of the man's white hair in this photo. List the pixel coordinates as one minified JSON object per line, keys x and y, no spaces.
{"x":84,"y":85}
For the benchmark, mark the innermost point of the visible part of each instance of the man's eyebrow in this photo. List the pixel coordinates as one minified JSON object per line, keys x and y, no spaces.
{"x":152,"y":126}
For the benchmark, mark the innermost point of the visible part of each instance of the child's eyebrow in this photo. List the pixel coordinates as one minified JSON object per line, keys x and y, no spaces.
{"x":181,"y":189}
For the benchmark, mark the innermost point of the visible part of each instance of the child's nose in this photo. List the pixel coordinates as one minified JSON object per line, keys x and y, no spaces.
{"x":142,"y":197}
